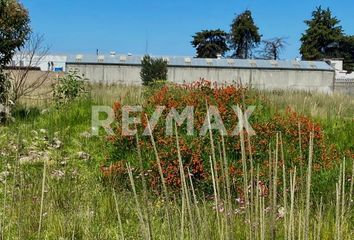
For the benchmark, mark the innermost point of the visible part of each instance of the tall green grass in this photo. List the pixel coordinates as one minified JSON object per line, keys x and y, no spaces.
{"x":37,"y":202}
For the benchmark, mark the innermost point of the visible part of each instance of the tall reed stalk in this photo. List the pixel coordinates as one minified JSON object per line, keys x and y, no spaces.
{"x":118,"y":217}
{"x":185,"y":191}
{"x":169,"y":217}
{"x":308,"y":189}
{"x":145,"y":191}
{"x":42,"y":200}
{"x":143,"y":226}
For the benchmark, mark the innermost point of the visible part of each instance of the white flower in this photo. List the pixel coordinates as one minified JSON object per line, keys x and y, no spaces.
{"x":43,"y":131}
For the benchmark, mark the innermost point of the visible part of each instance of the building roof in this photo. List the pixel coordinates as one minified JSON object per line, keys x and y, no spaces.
{"x":119,"y":59}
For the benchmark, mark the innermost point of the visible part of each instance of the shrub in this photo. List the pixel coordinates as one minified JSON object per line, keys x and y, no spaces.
{"x":153,"y":70}
{"x":4,"y":90}
{"x":69,"y":87}
{"x":196,"y":149}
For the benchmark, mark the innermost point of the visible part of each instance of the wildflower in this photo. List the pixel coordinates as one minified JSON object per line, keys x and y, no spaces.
{"x":57,"y":174}
{"x":85,"y":134}
{"x":280,"y":213}
{"x":43,"y":131}
{"x":56,"y":143}
{"x":267,"y":209}
{"x":83,"y":156}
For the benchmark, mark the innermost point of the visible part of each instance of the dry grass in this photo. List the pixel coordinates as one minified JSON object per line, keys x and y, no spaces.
{"x":79,"y":205}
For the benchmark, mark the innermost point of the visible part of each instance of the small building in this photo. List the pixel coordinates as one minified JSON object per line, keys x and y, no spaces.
{"x":54,"y":63}
{"x":261,"y":74}
{"x":344,"y":80}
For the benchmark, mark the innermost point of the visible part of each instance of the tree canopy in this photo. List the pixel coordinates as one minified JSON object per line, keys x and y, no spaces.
{"x":322,"y":37}
{"x":347,"y":52}
{"x":325,"y":38}
{"x":210,"y":43}
{"x":14,"y":28}
{"x":244,"y":36}
{"x":153,"y":69}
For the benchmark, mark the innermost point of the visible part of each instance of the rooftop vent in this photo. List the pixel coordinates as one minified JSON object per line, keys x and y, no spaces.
{"x":100,"y":58}
{"x":253,"y":63}
{"x":209,"y":61}
{"x":274,"y":63}
{"x":187,"y":60}
{"x":296,"y":64}
{"x":78,"y":58}
{"x":230,"y":61}
{"x":314,"y":66}
{"x":123,"y":58}
{"x":112,"y":54}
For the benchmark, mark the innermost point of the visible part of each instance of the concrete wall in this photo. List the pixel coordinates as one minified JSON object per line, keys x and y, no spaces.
{"x":260,"y":78}
{"x":346,"y":87}
{"x":48,"y":79}
{"x":108,"y":74}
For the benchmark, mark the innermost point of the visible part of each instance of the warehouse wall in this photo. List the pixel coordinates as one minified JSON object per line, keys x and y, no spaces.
{"x":344,"y":87}
{"x":260,"y":78}
{"x":108,"y":74}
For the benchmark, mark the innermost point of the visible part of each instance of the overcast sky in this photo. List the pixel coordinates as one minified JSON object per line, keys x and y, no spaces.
{"x":165,"y":27}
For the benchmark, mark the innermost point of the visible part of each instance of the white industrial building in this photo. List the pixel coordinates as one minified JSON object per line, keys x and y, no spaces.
{"x":55,"y":63}
{"x":344,"y":80}
{"x":261,"y":74}
{"x":322,"y":76}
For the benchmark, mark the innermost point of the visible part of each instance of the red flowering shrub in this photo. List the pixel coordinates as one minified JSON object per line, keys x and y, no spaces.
{"x":195,"y":150}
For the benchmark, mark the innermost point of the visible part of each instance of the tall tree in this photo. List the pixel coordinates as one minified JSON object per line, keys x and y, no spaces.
{"x":210,"y":43}
{"x":322,"y":37}
{"x":273,"y":47}
{"x":14,"y":29}
{"x":244,"y":36}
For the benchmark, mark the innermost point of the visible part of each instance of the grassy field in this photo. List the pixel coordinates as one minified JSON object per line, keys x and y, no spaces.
{"x":52,"y":186}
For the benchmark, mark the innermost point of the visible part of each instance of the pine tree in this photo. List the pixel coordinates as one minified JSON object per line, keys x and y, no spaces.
{"x":244,"y":36}
{"x":210,"y":43}
{"x":322,"y":37}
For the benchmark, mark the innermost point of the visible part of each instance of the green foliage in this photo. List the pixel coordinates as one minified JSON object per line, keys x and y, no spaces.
{"x":69,"y":88}
{"x":321,"y":39}
{"x":244,"y":35}
{"x":195,"y":150}
{"x":325,"y":38}
{"x":210,"y":43}
{"x":79,"y":202}
{"x":20,"y":112}
{"x":153,"y":69}
{"x":4,"y":89}
{"x":347,"y":52}
{"x":14,"y":28}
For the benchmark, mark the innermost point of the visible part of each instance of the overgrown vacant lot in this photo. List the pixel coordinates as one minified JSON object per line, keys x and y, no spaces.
{"x":292,"y":180}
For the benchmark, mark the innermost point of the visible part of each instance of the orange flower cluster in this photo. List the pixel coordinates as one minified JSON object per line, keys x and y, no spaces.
{"x":195,"y":150}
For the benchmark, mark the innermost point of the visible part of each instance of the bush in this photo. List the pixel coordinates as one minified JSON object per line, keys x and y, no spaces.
{"x":4,"y":90}
{"x":153,"y":70}
{"x":195,"y":150}
{"x":69,"y":87}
